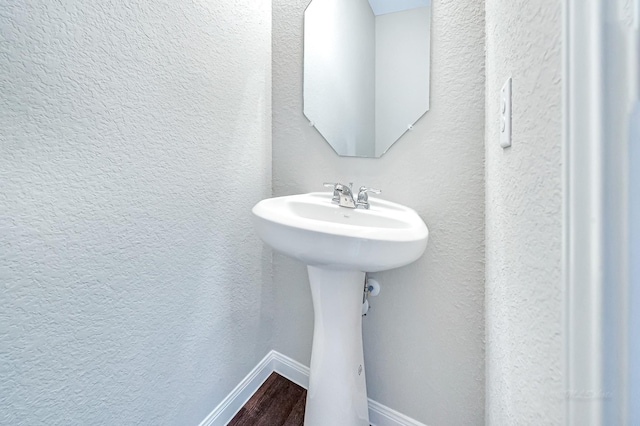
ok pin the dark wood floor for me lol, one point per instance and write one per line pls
(278, 402)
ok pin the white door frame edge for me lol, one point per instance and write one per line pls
(599, 82)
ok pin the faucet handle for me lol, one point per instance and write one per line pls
(363, 196)
(364, 190)
(337, 188)
(336, 185)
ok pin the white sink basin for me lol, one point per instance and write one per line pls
(339, 245)
(310, 228)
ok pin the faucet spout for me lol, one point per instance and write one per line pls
(342, 195)
(346, 197)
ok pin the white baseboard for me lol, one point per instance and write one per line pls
(379, 415)
(291, 369)
(229, 407)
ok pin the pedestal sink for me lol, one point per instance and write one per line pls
(339, 245)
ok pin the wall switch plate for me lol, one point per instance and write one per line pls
(505, 114)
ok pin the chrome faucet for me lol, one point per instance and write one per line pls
(343, 195)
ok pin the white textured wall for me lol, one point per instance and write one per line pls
(524, 215)
(134, 139)
(424, 336)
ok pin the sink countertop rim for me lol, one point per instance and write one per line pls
(417, 230)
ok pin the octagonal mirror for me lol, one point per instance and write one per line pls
(366, 71)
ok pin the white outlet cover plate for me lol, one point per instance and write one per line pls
(505, 114)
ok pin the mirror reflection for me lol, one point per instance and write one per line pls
(366, 71)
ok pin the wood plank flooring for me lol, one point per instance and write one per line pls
(278, 402)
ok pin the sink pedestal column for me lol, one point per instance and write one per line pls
(337, 394)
